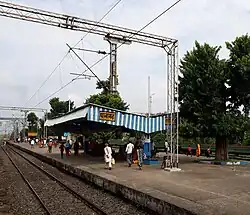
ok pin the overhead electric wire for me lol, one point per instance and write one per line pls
(101, 59)
(53, 71)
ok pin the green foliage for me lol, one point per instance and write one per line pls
(211, 92)
(22, 132)
(32, 118)
(246, 140)
(32, 122)
(59, 108)
(159, 138)
(239, 66)
(102, 137)
(187, 130)
(103, 85)
(105, 98)
(202, 92)
(108, 100)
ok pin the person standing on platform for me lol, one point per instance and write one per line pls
(67, 148)
(129, 151)
(44, 142)
(61, 147)
(198, 150)
(189, 151)
(50, 146)
(140, 155)
(76, 148)
(32, 143)
(167, 149)
(108, 156)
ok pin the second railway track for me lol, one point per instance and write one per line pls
(55, 196)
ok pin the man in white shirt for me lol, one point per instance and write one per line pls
(108, 156)
(167, 147)
(129, 150)
(32, 143)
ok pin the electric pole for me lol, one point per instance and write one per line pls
(24, 122)
(113, 77)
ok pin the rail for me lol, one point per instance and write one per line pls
(66, 187)
(27, 182)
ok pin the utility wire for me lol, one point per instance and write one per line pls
(66, 54)
(105, 56)
(132, 35)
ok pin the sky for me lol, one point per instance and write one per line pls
(30, 51)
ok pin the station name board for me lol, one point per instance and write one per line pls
(168, 121)
(107, 116)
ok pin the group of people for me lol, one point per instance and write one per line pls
(63, 146)
(130, 149)
(139, 152)
(198, 151)
(67, 146)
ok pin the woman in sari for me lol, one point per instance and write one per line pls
(198, 150)
(140, 155)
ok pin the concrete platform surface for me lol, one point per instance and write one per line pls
(201, 188)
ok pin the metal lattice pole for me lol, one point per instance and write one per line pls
(172, 121)
(177, 106)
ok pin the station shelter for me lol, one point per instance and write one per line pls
(92, 118)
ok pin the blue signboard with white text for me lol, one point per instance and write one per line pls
(65, 134)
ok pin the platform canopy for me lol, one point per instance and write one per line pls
(96, 118)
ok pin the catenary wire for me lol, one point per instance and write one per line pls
(105, 56)
(66, 54)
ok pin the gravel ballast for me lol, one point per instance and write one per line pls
(107, 202)
(15, 195)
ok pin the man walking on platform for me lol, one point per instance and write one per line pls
(32, 143)
(61, 147)
(76, 147)
(108, 156)
(67, 148)
(129, 150)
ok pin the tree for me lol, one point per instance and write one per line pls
(203, 96)
(41, 127)
(59, 108)
(107, 99)
(103, 85)
(32, 120)
(159, 138)
(239, 66)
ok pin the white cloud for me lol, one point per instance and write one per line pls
(29, 51)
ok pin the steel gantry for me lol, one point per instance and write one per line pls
(23, 120)
(114, 35)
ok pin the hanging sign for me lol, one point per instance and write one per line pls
(168, 121)
(32, 134)
(65, 134)
(107, 116)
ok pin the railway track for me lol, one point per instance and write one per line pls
(54, 196)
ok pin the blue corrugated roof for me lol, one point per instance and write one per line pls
(125, 119)
(128, 120)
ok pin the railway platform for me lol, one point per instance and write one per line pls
(197, 189)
